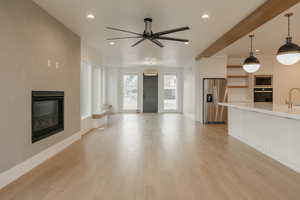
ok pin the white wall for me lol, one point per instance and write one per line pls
(112, 88)
(285, 78)
(189, 97)
(90, 54)
(214, 67)
(114, 85)
(85, 90)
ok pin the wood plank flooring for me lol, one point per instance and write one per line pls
(157, 157)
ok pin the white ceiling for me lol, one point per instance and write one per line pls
(166, 14)
(269, 37)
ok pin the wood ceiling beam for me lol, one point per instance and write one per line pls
(264, 13)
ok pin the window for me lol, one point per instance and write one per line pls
(97, 89)
(86, 90)
(130, 92)
(103, 86)
(170, 92)
(92, 89)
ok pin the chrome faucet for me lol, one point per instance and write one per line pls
(290, 102)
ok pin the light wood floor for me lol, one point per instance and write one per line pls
(157, 157)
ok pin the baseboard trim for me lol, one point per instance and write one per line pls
(21, 169)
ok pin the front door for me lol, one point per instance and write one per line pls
(150, 96)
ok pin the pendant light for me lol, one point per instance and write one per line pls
(251, 64)
(289, 53)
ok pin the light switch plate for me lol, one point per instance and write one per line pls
(49, 63)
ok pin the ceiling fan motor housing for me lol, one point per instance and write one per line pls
(148, 27)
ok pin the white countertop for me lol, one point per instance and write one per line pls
(267, 108)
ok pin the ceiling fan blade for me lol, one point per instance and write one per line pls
(172, 31)
(170, 38)
(158, 43)
(141, 40)
(116, 29)
(120, 38)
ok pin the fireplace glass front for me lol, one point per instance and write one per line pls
(47, 114)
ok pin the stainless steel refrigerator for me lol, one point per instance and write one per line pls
(214, 91)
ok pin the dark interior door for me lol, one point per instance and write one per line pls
(150, 96)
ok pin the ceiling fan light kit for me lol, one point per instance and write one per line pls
(289, 53)
(149, 35)
(251, 64)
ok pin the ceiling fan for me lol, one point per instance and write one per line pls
(149, 35)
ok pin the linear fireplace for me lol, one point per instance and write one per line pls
(47, 114)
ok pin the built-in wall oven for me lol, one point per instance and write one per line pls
(263, 95)
(263, 88)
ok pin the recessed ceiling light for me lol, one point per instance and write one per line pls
(186, 43)
(90, 16)
(205, 16)
(257, 50)
(112, 43)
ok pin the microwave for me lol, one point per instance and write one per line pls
(263, 81)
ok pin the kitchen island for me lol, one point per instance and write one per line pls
(271, 129)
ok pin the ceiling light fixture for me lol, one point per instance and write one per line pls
(186, 43)
(90, 16)
(289, 53)
(257, 50)
(150, 61)
(205, 16)
(251, 64)
(112, 43)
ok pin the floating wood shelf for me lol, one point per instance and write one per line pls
(238, 86)
(234, 66)
(237, 76)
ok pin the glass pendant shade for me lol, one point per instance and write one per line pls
(251, 64)
(288, 54)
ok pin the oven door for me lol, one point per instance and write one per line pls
(263, 95)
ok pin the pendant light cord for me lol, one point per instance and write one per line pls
(289, 26)
(251, 46)
(251, 43)
(289, 15)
